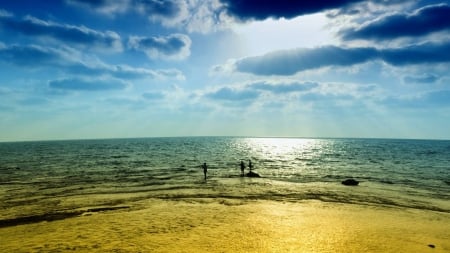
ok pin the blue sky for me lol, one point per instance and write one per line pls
(72, 69)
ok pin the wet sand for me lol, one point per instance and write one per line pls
(227, 225)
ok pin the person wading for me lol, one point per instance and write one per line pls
(205, 169)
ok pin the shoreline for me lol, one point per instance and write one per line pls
(36, 205)
(235, 225)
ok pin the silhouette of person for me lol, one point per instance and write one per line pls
(242, 168)
(205, 169)
(250, 165)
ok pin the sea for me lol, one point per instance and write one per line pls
(38, 178)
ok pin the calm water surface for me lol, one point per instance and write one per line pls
(61, 175)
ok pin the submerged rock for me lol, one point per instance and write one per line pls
(252, 174)
(350, 182)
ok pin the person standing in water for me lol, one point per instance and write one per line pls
(250, 165)
(242, 168)
(205, 169)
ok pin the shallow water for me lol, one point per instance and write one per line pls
(37, 178)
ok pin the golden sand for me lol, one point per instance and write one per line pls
(223, 225)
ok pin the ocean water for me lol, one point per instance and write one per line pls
(37, 178)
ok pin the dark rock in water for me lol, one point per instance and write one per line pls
(252, 174)
(350, 182)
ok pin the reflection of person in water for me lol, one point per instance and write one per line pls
(205, 169)
(242, 168)
(250, 165)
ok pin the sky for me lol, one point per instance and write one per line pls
(82, 69)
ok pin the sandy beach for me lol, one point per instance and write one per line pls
(228, 225)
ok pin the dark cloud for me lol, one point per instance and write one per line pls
(263, 9)
(75, 35)
(35, 57)
(417, 54)
(289, 62)
(229, 94)
(87, 85)
(283, 87)
(174, 46)
(426, 78)
(426, 20)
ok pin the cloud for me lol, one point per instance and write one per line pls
(425, 78)
(206, 16)
(123, 71)
(371, 8)
(79, 84)
(263, 9)
(283, 87)
(437, 98)
(166, 11)
(169, 12)
(35, 57)
(174, 46)
(192, 15)
(426, 20)
(417, 54)
(289, 62)
(103, 6)
(74, 35)
(230, 94)
(21, 55)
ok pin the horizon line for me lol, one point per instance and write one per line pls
(222, 136)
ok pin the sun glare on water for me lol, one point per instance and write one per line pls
(280, 146)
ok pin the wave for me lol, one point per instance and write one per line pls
(321, 196)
